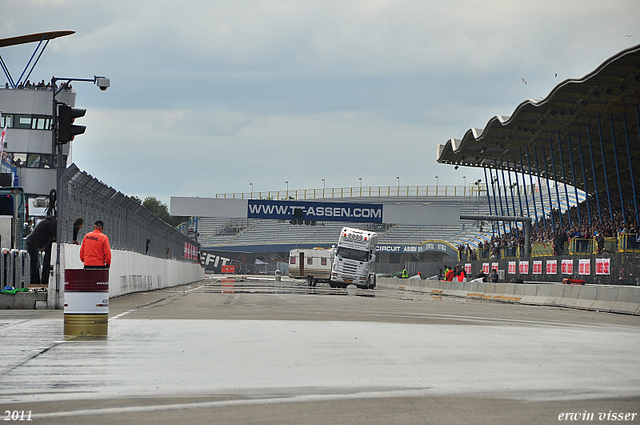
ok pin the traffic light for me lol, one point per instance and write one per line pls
(66, 129)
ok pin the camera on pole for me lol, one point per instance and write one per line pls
(66, 129)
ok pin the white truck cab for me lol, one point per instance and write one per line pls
(353, 259)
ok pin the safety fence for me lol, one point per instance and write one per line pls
(625, 243)
(606, 269)
(129, 225)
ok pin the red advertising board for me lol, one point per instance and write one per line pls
(485, 268)
(584, 266)
(567, 266)
(603, 266)
(537, 267)
(552, 266)
(228, 269)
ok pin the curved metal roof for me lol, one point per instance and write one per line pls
(33, 38)
(585, 125)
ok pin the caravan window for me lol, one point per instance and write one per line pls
(323, 261)
(292, 260)
(310, 260)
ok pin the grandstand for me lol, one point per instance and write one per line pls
(262, 236)
(253, 235)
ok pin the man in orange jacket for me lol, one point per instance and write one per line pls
(95, 252)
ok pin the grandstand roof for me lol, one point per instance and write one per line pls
(598, 111)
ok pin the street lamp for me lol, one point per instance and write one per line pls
(251, 184)
(398, 179)
(57, 149)
(436, 185)
(465, 185)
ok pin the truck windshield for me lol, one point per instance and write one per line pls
(352, 254)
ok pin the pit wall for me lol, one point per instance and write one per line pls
(129, 272)
(613, 299)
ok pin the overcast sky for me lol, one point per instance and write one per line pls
(208, 96)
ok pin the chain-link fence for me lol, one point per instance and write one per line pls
(128, 224)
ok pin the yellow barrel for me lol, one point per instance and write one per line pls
(86, 325)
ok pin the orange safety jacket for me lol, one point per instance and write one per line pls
(95, 250)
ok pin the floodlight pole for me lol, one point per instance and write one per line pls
(57, 149)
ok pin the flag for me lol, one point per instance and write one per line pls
(4, 135)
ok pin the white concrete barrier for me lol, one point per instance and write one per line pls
(616, 299)
(606, 297)
(586, 298)
(477, 290)
(129, 272)
(628, 301)
(518, 292)
(530, 291)
(557, 293)
(570, 296)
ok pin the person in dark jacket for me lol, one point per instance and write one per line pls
(77, 225)
(42, 237)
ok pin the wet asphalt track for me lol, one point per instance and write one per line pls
(257, 351)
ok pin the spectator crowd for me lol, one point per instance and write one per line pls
(605, 223)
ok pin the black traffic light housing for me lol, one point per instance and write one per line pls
(66, 129)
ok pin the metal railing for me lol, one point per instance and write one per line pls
(365, 191)
(126, 222)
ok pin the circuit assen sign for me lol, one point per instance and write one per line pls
(315, 211)
(431, 246)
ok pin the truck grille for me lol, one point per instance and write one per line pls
(349, 268)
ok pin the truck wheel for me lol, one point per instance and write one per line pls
(332, 284)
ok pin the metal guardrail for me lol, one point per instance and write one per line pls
(126, 222)
(365, 191)
(14, 268)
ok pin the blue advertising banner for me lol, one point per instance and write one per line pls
(314, 211)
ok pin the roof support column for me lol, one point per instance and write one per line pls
(593, 167)
(573, 176)
(564, 181)
(506, 199)
(533, 192)
(497, 183)
(513, 201)
(584, 178)
(626, 136)
(544, 220)
(524, 186)
(553, 165)
(546, 176)
(493, 189)
(615, 156)
(604, 167)
(493, 229)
